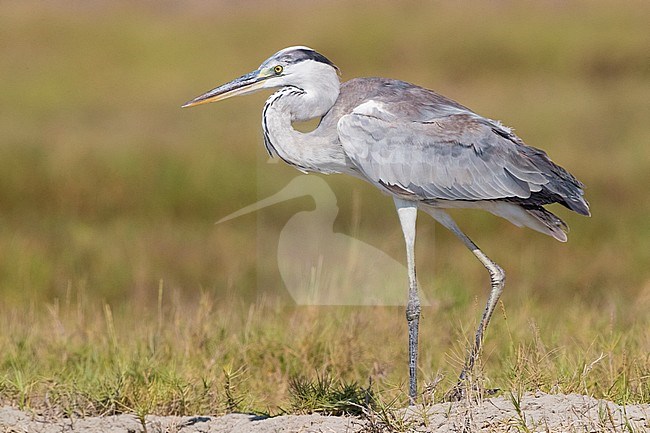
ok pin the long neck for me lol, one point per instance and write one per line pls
(316, 151)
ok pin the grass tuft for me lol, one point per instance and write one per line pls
(328, 395)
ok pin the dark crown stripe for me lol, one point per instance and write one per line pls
(302, 54)
(315, 56)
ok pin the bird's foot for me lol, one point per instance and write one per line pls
(457, 393)
(463, 391)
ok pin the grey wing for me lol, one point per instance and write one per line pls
(457, 156)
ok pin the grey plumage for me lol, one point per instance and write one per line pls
(420, 145)
(427, 151)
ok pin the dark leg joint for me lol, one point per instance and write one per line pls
(413, 310)
(498, 275)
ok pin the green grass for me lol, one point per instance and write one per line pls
(119, 294)
(218, 356)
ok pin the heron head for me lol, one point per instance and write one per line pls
(297, 66)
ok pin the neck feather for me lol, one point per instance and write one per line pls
(316, 151)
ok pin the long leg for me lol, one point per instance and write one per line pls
(407, 212)
(497, 281)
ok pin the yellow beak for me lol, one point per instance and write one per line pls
(248, 83)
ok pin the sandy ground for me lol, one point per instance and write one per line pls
(537, 413)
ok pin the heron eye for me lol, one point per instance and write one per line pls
(278, 70)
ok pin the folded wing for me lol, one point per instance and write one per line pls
(452, 154)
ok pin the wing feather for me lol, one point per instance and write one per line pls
(455, 156)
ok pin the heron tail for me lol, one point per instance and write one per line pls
(554, 225)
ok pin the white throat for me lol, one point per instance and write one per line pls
(320, 87)
(304, 99)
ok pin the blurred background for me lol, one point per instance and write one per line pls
(108, 188)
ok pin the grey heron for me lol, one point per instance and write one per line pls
(427, 151)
